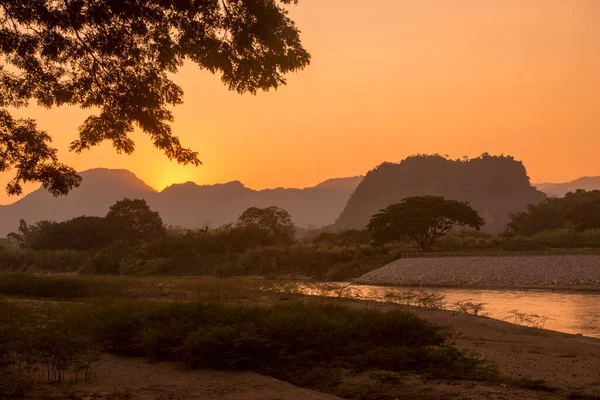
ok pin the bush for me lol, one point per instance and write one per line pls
(289, 341)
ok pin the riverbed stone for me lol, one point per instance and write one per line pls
(489, 271)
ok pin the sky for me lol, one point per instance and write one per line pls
(388, 79)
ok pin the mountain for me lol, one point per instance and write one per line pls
(560, 189)
(99, 190)
(494, 185)
(188, 205)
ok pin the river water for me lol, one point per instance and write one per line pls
(563, 311)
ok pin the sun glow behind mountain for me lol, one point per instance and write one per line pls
(427, 76)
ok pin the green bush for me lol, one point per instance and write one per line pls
(286, 341)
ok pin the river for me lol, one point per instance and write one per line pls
(563, 311)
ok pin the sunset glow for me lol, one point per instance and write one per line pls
(387, 80)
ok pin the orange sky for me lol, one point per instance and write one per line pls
(388, 78)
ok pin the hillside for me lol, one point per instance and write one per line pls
(560, 189)
(99, 190)
(494, 185)
(188, 205)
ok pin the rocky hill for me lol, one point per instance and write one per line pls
(494, 185)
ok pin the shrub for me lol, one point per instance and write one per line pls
(286, 341)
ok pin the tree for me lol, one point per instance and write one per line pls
(116, 56)
(583, 209)
(273, 222)
(134, 221)
(579, 210)
(423, 219)
(81, 233)
(20, 237)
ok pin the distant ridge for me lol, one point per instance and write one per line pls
(560, 189)
(188, 205)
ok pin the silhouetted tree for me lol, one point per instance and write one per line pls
(20, 237)
(583, 209)
(273, 222)
(116, 56)
(423, 219)
(134, 221)
(81, 233)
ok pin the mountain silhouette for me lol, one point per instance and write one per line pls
(187, 205)
(494, 185)
(560, 189)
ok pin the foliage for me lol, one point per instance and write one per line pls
(423, 219)
(133, 221)
(284, 341)
(345, 237)
(493, 185)
(295, 342)
(26, 148)
(117, 56)
(21, 236)
(579, 210)
(45, 342)
(273, 222)
(128, 221)
(81, 233)
(28, 260)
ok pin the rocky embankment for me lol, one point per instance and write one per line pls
(489, 271)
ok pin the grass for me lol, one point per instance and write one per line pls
(59, 287)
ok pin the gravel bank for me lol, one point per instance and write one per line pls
(489, 271)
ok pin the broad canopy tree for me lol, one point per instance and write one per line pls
(115, 56)
(132, 221)
(273, 222)
(423, 219)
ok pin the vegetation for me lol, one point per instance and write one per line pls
(272, 222)
(132, 240)
(423, 219)
(133, 221)
(577, 210)
(296, 342)
(117, 57)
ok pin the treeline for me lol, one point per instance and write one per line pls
(132, 239)
(579, 211)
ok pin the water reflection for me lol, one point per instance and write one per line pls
(570, 312)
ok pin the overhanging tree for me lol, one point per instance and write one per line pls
(423, 219)
(115, 56)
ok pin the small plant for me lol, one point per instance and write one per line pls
(531, 320)
(469, 307)
(430, 300)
